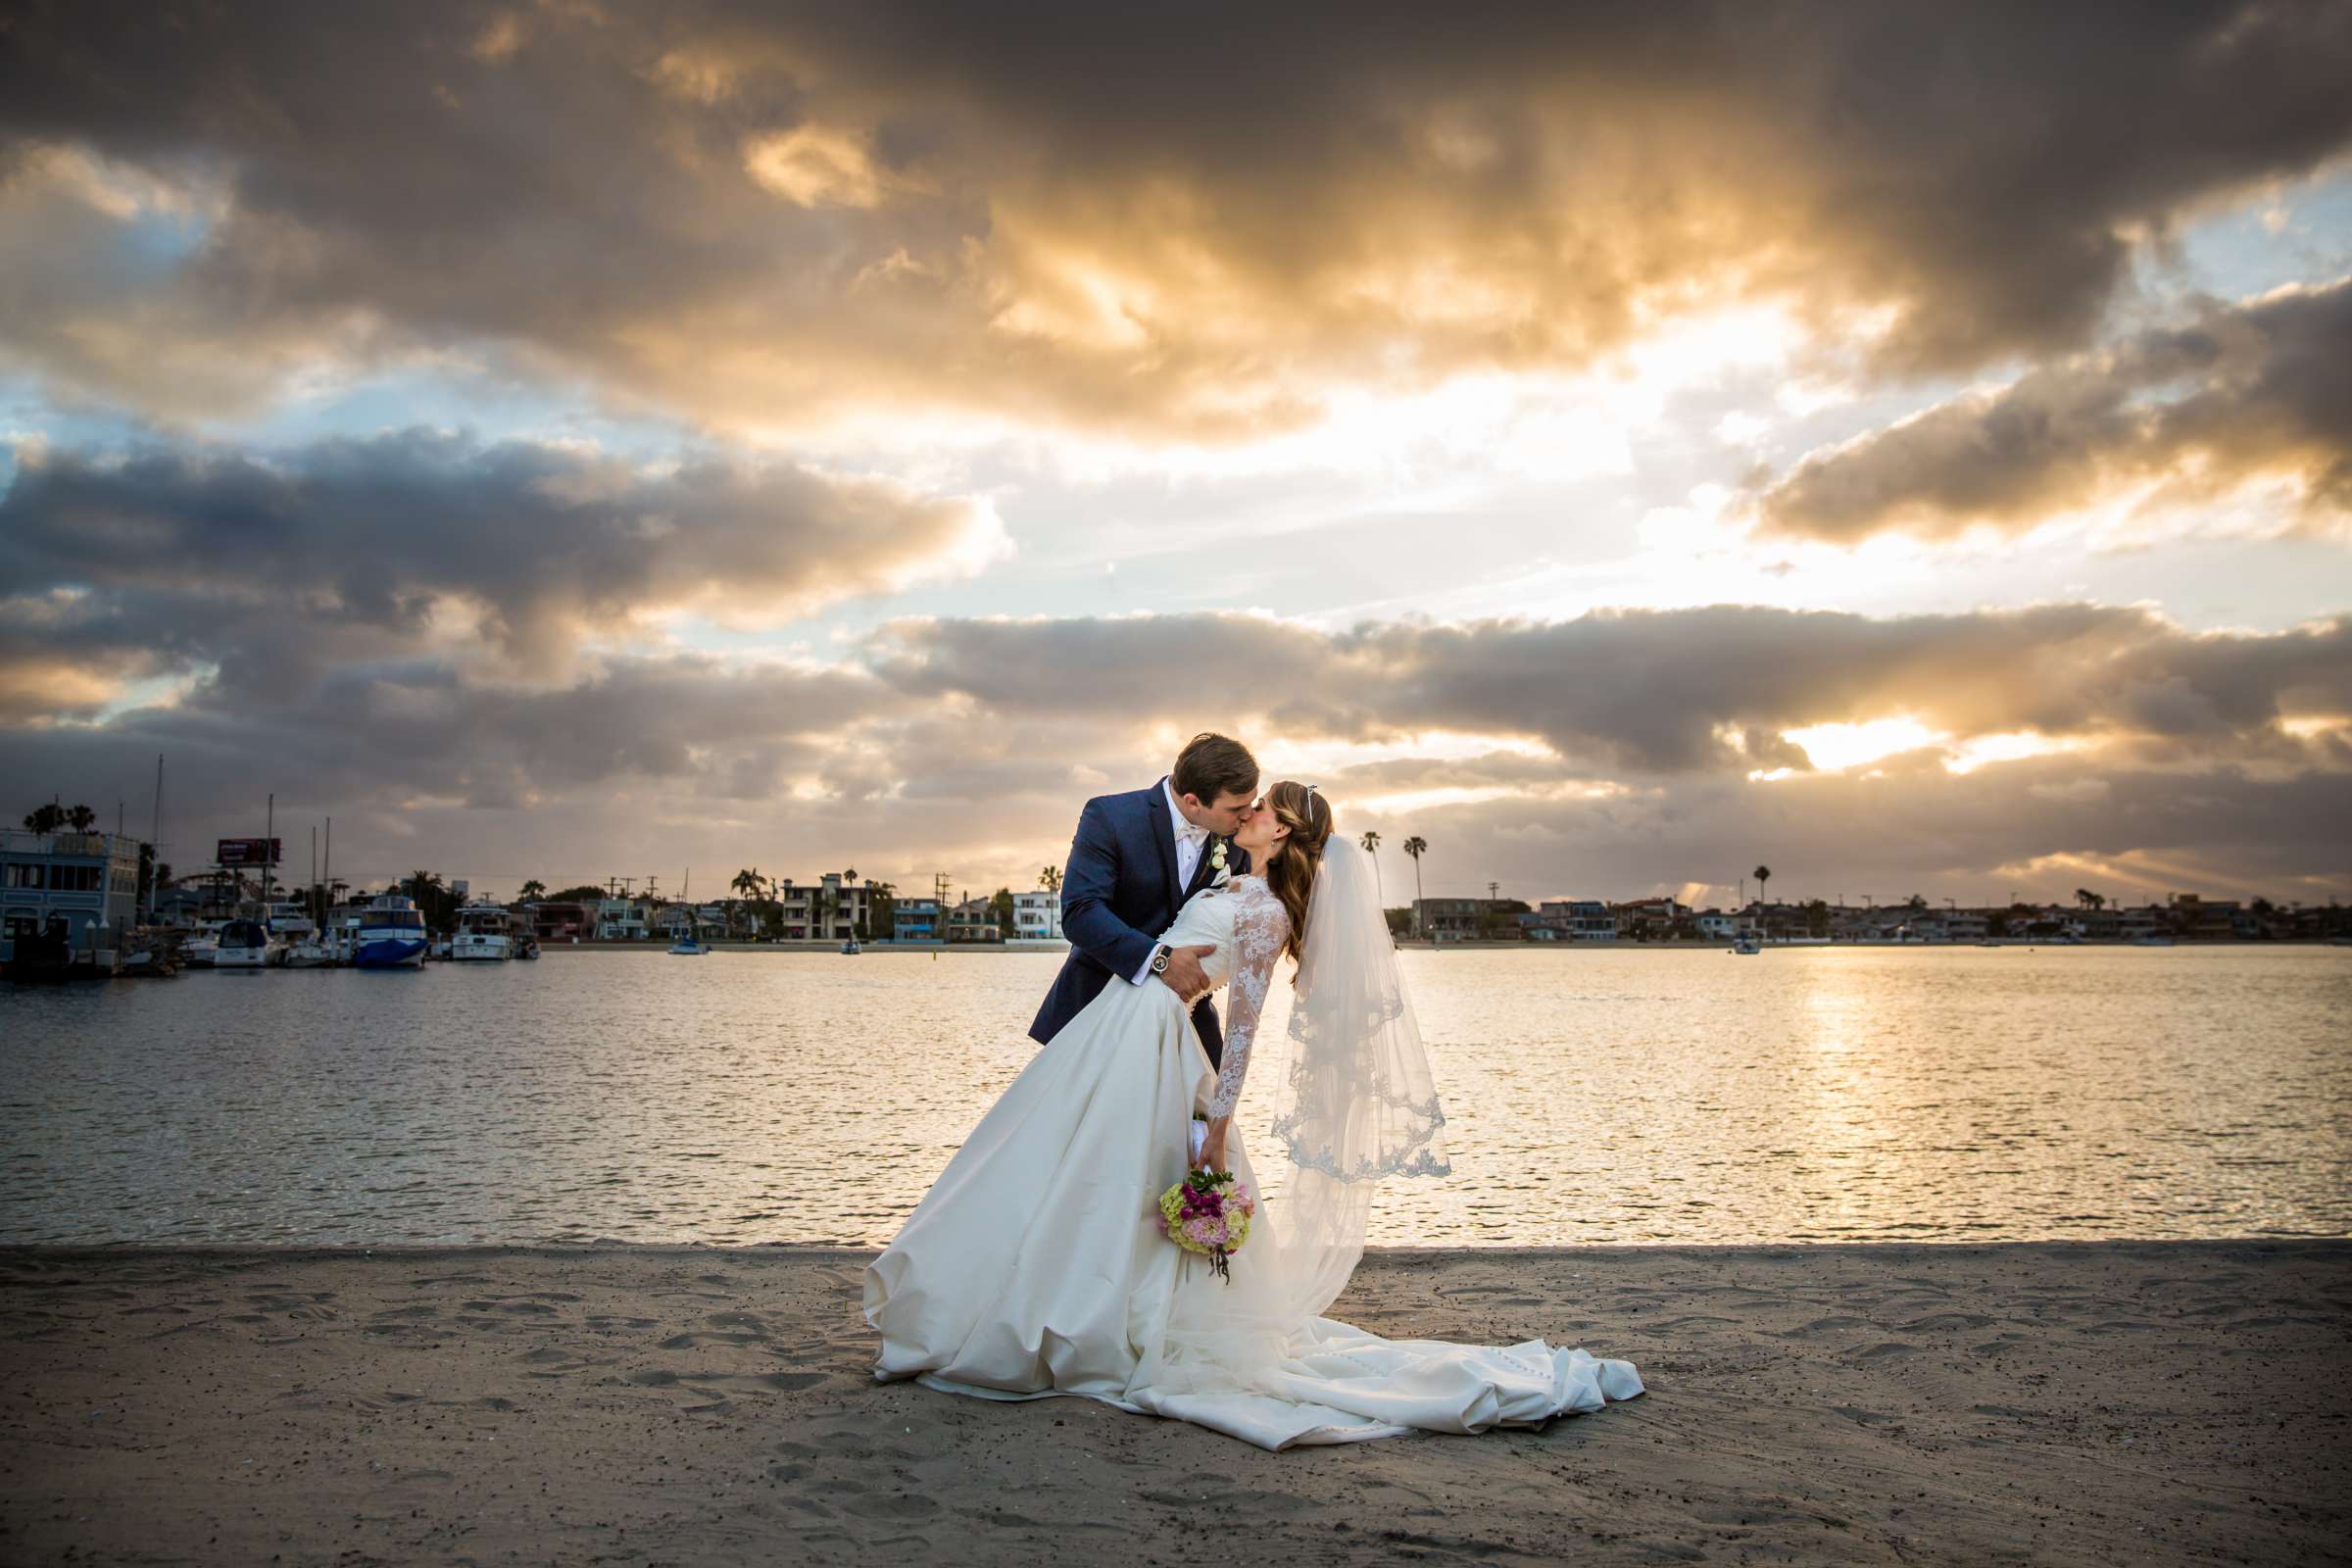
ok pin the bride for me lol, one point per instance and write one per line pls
(1034, 1266)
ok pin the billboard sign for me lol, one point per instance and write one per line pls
(250, 851)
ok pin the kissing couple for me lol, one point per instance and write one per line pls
(1035, 1266)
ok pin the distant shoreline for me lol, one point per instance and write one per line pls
(962, 948)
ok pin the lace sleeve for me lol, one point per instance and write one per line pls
(1260, 926)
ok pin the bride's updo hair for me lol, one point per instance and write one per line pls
(1290, 866)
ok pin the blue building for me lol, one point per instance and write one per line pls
(74, 880)
(916, 920)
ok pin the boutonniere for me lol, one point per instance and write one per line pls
(1216, 864)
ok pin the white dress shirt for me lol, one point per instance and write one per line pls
(1191, 843)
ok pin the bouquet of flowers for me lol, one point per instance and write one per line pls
(1209, 1212)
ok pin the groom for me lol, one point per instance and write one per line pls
(1136, 858)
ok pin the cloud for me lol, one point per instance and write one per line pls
(1191, 225)
(2259, 391)
(177, 555)
(1709, 689)
(1610, 754)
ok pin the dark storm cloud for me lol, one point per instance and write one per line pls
(967, 747)
(2260, 390)
(398, 732)
(1661, 691)
(1185, 219)
(177, 556)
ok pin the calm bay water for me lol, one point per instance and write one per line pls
(1808, 1095)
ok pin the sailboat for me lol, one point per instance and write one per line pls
(685, 945)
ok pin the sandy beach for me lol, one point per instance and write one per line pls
(2048, 1402)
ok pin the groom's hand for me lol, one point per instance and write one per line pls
(1184, 974)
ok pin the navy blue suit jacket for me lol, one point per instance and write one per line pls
(1118, 893)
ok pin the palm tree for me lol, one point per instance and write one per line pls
(1416, 846)
(1763, 876)
(533, 888)
(1049, 879)
(745, 884)
(1371, 844)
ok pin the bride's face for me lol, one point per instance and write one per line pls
(1258, 833)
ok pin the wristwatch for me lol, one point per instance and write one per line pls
(1160, 959)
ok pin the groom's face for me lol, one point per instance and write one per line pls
(1221, 817)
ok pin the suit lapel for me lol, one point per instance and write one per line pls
(1203, 869)
(1163, 839)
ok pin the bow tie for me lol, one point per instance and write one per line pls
(1190, 833)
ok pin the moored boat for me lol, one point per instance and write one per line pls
(246, 945)
(391, 935)
(483, 935)
(311, 952)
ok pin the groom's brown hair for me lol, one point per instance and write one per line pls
(1211, 766)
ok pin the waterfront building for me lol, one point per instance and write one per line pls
(974, 920)
(561, 921)
(1467, 920)
(1648, 919)
(1729, 926)
(2200, 919)
(832, 909)
(61, 884)
(1037, 916)
(916, 920)
(1576, 920)
(622, 920)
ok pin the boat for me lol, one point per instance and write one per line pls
(196, 950)
(1747, 943)
(313, 952)
(391, 935)
(483, 935)
(685, 947)
(849, 947)
(526, 944)
(290, 922)
(150, 953)
(246, 945)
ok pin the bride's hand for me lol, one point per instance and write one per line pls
(1212, 1147)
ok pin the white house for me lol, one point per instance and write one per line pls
(1037, 916)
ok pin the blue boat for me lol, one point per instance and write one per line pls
(391, 935)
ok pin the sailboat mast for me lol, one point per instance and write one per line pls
(155, 840)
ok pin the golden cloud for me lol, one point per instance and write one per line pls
(1095, 218)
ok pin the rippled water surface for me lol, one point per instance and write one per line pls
(1854, 1093)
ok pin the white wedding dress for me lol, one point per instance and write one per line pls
(1034, 1266)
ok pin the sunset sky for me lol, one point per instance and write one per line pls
(1908, 446)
